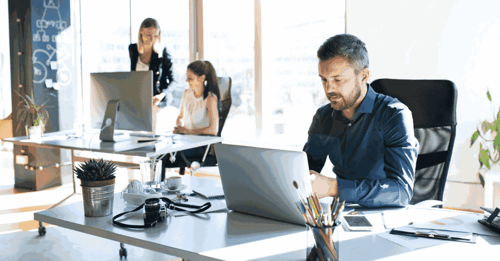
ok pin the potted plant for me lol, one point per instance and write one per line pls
(33, 113)
(98, 186)
(489, 146)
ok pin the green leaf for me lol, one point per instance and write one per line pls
(495, 125)
(485, 126)
(474, 137)
(496, 142)
(484, 157)
(481, 179)
(488, 94)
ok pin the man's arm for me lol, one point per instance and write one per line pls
(315, 150)
(400, 157)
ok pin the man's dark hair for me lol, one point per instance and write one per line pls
(347, 46)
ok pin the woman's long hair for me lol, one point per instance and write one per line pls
(211, 83)
(147, 23)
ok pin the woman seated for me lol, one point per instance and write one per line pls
(198, 113)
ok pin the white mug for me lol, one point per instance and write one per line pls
(174, 182)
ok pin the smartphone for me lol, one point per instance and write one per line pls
(358, 222)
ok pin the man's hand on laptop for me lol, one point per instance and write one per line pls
(322, 185)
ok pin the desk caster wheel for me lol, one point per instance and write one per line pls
(42, 231)
(123, 251)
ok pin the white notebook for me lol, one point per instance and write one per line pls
(210, 193)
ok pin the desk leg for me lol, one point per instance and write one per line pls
(123, 251)
(205, 155)
(72, 168)
(41, 229)
(72, 178)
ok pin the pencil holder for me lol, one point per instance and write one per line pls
(323, 243)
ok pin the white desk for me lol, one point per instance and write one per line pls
(189, 237)
(91, 142)
(235, 236)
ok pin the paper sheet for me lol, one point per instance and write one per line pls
(218, 205)
(411, 242)
(463, 223)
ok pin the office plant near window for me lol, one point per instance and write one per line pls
(489, 146)
(33, 114)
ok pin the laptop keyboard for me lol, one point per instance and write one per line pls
(144, 135)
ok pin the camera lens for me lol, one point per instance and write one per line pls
(152, 203)
(152, 209)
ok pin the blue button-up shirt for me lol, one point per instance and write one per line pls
(374, 156)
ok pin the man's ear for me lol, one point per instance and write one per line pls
(202, 78)
(365, 75)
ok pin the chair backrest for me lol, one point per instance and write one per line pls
(433, 104)
(6, 127)
(224, 102)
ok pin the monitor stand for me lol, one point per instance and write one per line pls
(108, 124)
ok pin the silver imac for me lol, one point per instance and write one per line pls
(121, 101)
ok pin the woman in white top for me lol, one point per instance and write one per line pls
(198, 110)
(198, 113)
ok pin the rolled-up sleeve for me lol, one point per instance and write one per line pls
(395, 188)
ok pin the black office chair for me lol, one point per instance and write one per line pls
(224, 104)
(433, 104)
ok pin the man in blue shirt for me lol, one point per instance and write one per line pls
(368, 136)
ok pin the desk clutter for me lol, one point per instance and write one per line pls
(155, 205)
(136, 192)
(322, 223)
(210, 193)
(414, 227)
(492, 221)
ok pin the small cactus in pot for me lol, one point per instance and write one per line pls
(93, 173)
(98, 184)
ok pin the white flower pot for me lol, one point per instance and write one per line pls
(35, 132)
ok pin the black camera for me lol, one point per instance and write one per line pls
(155, 212)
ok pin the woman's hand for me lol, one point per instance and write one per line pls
(181, 130)
(157, 98)
(322, 185)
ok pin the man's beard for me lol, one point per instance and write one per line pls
(346, 103)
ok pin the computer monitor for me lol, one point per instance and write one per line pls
(121, 101)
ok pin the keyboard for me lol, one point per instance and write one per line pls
(144, 135)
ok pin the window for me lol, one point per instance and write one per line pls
(5, 85)
(291, 33)
(228, 36)
(105, 40)
(291, 88)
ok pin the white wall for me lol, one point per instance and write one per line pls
(454, 40)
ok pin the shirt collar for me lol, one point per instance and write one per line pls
(366, 105)
(368, 102)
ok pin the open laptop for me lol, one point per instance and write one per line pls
(259, 181)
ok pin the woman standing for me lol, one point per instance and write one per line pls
(145, 55)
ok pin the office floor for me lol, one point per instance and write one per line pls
(19, 239)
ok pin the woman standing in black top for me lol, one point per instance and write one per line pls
(145, 55)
